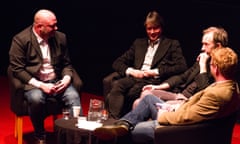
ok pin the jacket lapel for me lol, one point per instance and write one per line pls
(141, 53)
(161, 50)
(35, 44)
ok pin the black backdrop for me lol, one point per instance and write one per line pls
(100, 31)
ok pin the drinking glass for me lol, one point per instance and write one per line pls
(95, 110)
(76, 111)
(104, 114)
(66, 113)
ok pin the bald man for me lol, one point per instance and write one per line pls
(39, 58)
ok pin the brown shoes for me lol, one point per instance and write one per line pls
(110, 132)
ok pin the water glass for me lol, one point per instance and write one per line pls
(66, 113)
(76, 111)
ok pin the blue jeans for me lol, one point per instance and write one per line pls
(37, 101)
(143, 131)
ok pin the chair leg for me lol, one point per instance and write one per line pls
(15, 127)
(18, 133)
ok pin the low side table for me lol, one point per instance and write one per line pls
(68, 133)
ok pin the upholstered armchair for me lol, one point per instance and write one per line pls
(107, 86)
(217, 131)
(107, 82)
(19, 106)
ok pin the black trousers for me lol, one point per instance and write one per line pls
(123, 93)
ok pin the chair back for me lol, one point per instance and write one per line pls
(18, 104)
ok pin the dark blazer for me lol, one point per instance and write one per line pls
(168, 58)
(26, 58)
(184, 81)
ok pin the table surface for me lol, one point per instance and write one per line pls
(68, 133)
(70, 124)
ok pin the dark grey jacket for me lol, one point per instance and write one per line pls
(25, 56)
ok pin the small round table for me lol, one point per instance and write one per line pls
(68, 133)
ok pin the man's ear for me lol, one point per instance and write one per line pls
(218, 45)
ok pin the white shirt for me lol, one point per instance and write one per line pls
(152, 48)
(46, 71)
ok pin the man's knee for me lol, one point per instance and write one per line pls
(146, 92)
(34, 96)
(135, 103)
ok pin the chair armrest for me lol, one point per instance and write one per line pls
(77, 81)
(108, 80)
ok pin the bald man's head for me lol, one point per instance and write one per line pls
(45, 23)
(43, 16)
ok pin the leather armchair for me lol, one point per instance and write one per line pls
(19, 105)
(107, 82)
(217, 131)
(107, 86)
(210, 132)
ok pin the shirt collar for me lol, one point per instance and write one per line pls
(154, 42)
(39, 39)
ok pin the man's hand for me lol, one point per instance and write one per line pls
(202, 60)
(48, 88)
(58, 87)
(61, 85)
(162, 86)
(148, 87)
(136, 73)
(150, 73)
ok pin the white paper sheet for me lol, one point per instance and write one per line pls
(89, 125)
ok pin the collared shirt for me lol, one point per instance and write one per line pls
(152, 48)
(46, 71)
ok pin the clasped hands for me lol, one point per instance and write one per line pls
(55, 88)
(141, 74)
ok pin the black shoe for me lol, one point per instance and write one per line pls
(42, 142)
(110, 132)
(39, 140)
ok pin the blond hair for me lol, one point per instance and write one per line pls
(220, 35)
(226, 61)
(155, 19)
